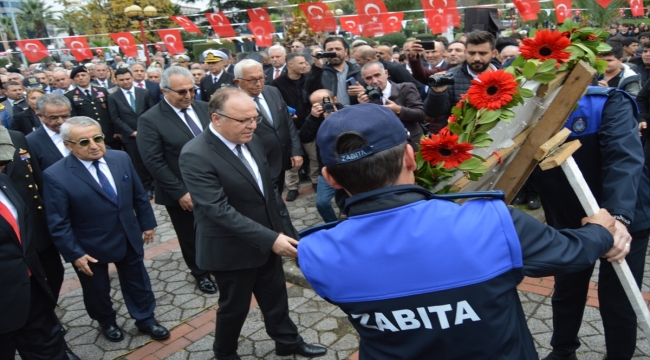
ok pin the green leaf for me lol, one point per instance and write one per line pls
(489, 116)
(464, 137)
(486, 127)
(507, 112)
(469, 164)
(481, 137)
(470, 114)
(575, 50)
(529, 70)
(482, 144)
(480, 169)
(600, 66)
(457, 111)
(603, 46)
(518, 61)
(424, 180)
(547, 66)
(455, 128)
(527, 93)
(544, 78)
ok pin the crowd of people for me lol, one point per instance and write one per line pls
(85, 149)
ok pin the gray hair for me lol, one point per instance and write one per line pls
(174, 70)
(101, 64)
(51, 99)
(154, 69)
(76, 121)
(245, 65)
(277, 47)
(136, 64)
(372, 63)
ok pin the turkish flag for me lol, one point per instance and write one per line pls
(436, 20)
(392, 22)
(528, 9)
(78, 47)
(173, 41)
(33, 50)
(260, 17)
(186, 24)
(350, 24)
(440, 14)
(220, 24)
(637, 7)
(372, 29)
(604, 3)
(126, 42)
(319, 16)
(370, 11)
(562, 10)
(263, 38)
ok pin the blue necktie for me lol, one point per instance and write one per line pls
(106, 185)
(132, 99)
(190, 122)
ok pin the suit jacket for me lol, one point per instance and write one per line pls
(230, 69)
(154, 90)
(108, 82)
(280, 139)
(270, 72)
(8, 107)
(43, 148)
(81, 217)
(27, 177)
(208, 87)
(25, 122)
(19, 106)
(412, 113)
(124, 118)
(161, 136)
(398, 74)
(15, 259)
(236, 224)
(95, 107)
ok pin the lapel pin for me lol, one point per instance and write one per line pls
(126, 177)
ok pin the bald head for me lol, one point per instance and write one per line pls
(318, 95)
(385, 52)
(364, 53)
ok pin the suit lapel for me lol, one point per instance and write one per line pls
(4, 224)
(78, 168)
(47, 141)
(173, 117)
(120, 95)
(273, 109)
(202, 114)
(118, 175)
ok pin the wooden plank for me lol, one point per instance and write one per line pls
(561, 155)
(551, 122)
(545, 89)
(552, 144)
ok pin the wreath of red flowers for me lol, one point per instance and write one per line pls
(492, 90)
(445, 147)
(546, 45)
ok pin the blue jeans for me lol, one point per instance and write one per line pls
(324, 197)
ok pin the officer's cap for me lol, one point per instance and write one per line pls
(32, 82)
(213, 56)
(77, 70)
(380, 128)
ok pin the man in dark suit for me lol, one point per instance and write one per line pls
(277, 58)
(239, 234)
(98, 213)
(217, 78)
(46, 142)
(139, 75)
(27, 121)
(91, 101)
(162, 132)
(126, 105)
(402, 99)
(29, 323)
(277, 131)
(101, 76)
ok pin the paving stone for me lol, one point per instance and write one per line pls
(310, 319)
(202, 345)
(327, 324)
(264, 347)
(328, 338)
(347, 342)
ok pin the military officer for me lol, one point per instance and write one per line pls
(21, 105)
(92, 101)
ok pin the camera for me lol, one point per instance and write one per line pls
(441, 80)
(325, 54)
(374, 94)
(327, 105)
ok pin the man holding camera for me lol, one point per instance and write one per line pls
(402, 99)
(445, 93)
(341, 77)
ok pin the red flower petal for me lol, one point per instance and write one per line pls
(546, 45)
(444, 147)
(492, 90)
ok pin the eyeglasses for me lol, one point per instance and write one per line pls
(57, 117)
(97, 139)
(256, 119)
(254, 81)
(183, 92)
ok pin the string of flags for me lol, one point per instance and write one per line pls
(372, 19)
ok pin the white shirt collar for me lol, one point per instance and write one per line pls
(49, 131)
(231, 145)
(189, 108)
(132, 90)
(386, 91)
(89, 163)
(84, 90)
(218, 75)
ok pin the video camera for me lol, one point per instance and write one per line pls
(325, 54)
(441, 80)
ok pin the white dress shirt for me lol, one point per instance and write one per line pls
(137, 83)
(264, 105)
(190, 112)
(57, 140)
(103, 83)
(5, 200)
(215, 78)
(128, 98)
(103, 167)
(386, 92)
(247, 154)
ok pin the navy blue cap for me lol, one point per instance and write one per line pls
(379, 126)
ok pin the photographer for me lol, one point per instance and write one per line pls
(341, 77)
(402, 99)
(324, 103)
(481, 54)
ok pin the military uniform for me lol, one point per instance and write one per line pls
(20, 106)
(94, 107)
(5, 117)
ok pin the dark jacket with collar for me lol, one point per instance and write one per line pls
(270, 72)
(294, 96)
(398, 74)
(636, 64)
(94, 107)
(310, 128)
(412, 112)
(25, 122)
(208, 86)
(325, 78)
(43, 148)
(124, 118)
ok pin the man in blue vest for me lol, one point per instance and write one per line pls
(612, 162)
(419, 276)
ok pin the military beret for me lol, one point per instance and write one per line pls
(77, 70)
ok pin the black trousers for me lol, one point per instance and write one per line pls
(40, 338)
(619, 320)
(236, 287)
(131, 148)
(134, 283)
(183, 222)
(51, 261)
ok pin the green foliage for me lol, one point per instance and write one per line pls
(425, 37)
(599, 16)
(34, 16)
(394, 39)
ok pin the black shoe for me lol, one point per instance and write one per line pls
(315, 187)
(533, 202)
(112, 332)
(156, 331)
(306, 350)
(292, 195)
(552, 356)
(520, 199)
(206, 285)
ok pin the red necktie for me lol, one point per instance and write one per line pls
(277, 73)
(141, 86)
(9, 217)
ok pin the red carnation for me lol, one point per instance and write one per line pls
(445, 147)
